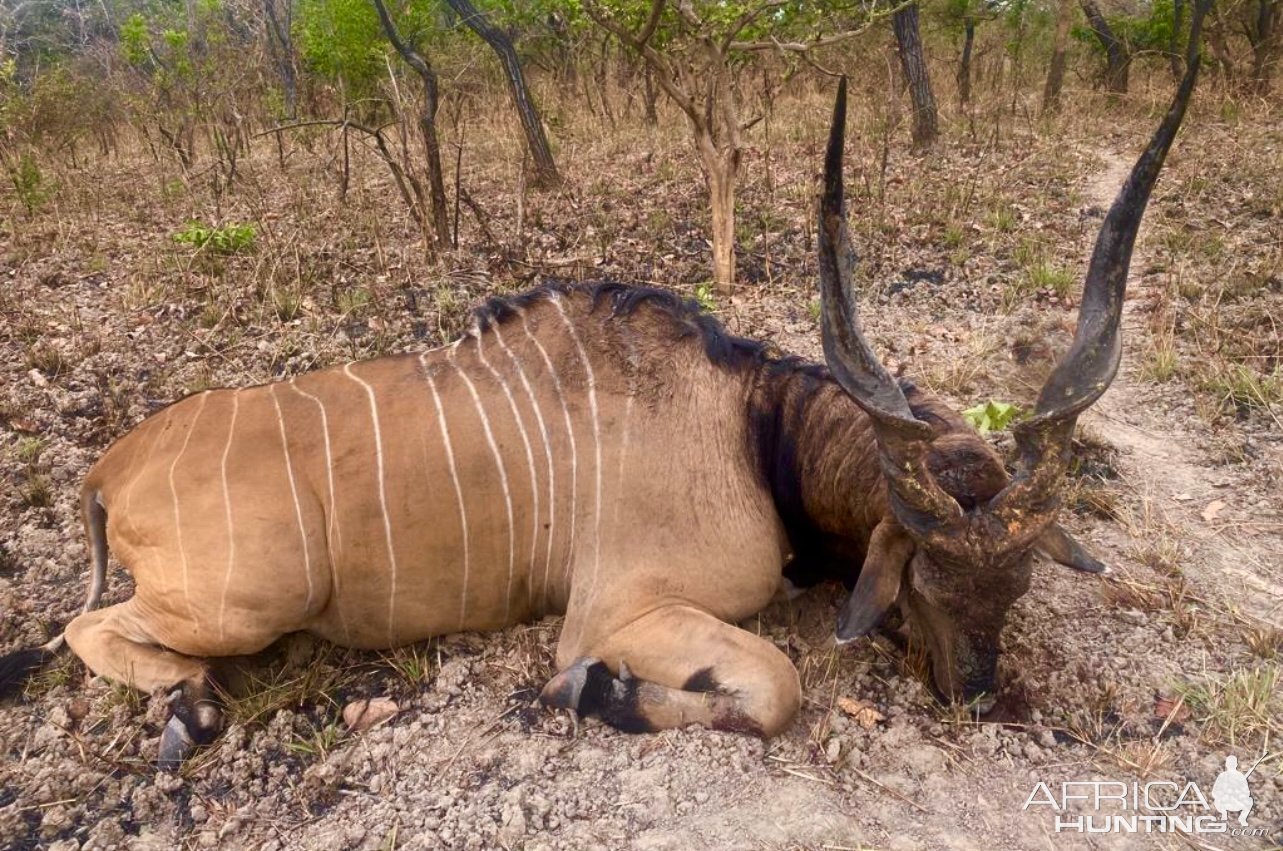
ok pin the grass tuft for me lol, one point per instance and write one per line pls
(1245, 706)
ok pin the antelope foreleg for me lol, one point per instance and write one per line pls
(678, 666)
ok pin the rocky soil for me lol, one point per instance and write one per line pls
(1154, 673)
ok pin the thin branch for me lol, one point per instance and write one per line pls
(652, 22)
(664, 73)
(746, 19)
(324, 122)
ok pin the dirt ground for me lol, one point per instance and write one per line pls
(971, 259)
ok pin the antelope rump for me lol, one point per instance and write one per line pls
(602, 451)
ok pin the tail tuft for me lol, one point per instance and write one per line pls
(17, 667)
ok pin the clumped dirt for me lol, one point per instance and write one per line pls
(1153, 673)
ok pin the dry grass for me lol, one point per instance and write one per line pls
(258, 694)
(1243, 707)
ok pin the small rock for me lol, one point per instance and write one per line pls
(1133, 616)
(901, 842)
(55, 820)
(923, 759)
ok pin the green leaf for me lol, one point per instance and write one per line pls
(992, 415)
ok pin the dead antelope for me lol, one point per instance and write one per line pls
(603, 451)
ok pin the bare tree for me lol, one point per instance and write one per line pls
(1118, 56)
(1264, 31)
(912, 61)
(536, 141)
(705, 92)
(439, 221)
(1217, 39)
(280, 23)
(1056, 70)
(1175, 60)
(964, 64)
(695, 73)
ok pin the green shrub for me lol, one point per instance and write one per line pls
(230, 238)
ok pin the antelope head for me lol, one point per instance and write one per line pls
(956, 550)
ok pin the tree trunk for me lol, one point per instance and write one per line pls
(545, 168)
(721, 176)
(1056, 71)
(1177, 56)
(964, 67)
(282, 47)
(652, 117)
(440, 219)
(566, 69)
(913, 63)
(1118, 58)
(1266, 38)
(1215, 31)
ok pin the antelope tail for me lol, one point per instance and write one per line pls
(17, 667)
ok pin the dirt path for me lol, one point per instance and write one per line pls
(1234, 548)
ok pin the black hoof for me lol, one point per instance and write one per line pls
(194, 721)
(565, 690)
(589, 687)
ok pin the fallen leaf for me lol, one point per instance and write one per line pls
(864, 713)
(361, 715)
(21, 425)
(1213, 508)
(1170, 710)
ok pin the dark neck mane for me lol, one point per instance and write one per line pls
(684, 315)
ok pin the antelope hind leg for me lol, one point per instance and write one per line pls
(677, 666)
(114, 643)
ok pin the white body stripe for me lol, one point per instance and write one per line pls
(503, 476)
(458, 491)
(383, 495)
(570, 436)
(146, 466)
(227, 510)
(178, 521)
(298, 508)
(530, 462)
(333, 531)
(596, 431)
(547, 451)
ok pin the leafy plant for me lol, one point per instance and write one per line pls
(230, 238)
(30, 184)
(992, 415)
(704, 296)
(322, 740)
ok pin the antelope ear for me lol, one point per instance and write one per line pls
(1058, 545)
(879, 583)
